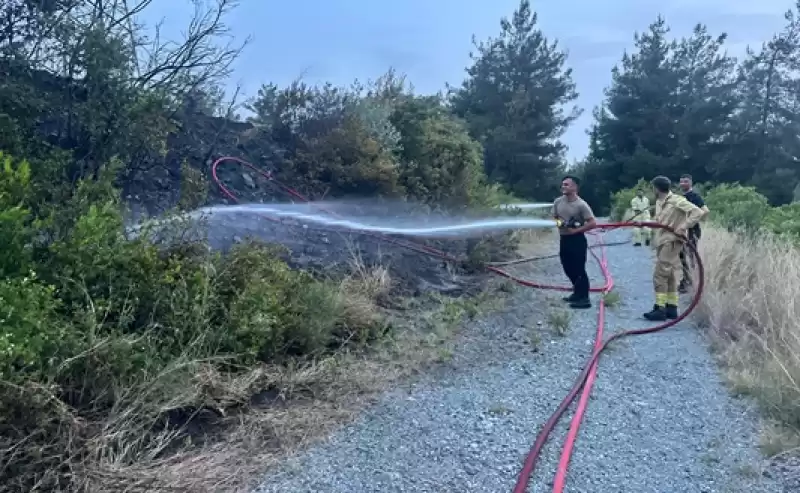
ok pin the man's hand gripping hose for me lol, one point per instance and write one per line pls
(586, 376)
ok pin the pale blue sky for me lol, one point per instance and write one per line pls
(430, 41)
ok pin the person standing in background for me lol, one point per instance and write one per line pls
(693, 235)
(640, 205)
(676, 212)
(574, 217)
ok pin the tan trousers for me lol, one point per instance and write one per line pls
(668, 269)
(641, 235)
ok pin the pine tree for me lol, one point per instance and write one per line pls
(638, 122)
(514, 100)
(764, 137)
(666, 112)
(706, 99)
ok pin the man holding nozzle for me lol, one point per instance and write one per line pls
(676, 212)
(574, 218)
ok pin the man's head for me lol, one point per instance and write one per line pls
(569, 185)
(661, 185)
(640, 193)
(685, 183)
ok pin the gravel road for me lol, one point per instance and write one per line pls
(659, 421)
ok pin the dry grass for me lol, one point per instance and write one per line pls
(536, 242)
(752, 304)
(559, 320)
(302, 404)
(363, 290)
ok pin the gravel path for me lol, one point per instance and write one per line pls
(659, 421)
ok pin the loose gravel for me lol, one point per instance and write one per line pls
(659, 420)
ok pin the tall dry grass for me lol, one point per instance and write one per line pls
(751, 304)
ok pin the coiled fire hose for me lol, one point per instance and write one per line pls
(586, 376)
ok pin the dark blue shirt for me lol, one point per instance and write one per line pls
(697, 200)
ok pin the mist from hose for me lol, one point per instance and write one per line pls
(415, 225)
(526, 207)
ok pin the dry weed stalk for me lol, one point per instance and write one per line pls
(752, 303)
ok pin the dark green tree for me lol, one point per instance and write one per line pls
(634, 131)
(764, 135)
(705, 100)
(515, 99)
(667, 111)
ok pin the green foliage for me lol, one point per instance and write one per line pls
(194, 188)
(382, 140)
(91, 312)
(16, 228)
(737, 207)
(33, 338)
(273, 310)
(98, 278)
(784, 220)
(441, 163)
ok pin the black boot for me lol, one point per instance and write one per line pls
(637, 244)
(647, 242)
(657, 314)
(570, 298)
(671, 311)
(683, 287)
(581, 303)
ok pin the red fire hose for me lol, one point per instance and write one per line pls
(586, 377)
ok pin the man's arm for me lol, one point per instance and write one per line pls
(705, 212)
(699, 202)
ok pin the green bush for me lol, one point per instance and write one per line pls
(737, 207)
(87, 314)
(783, 220)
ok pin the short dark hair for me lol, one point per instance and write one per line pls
(661, 183)
(687, 176)
(574, 179)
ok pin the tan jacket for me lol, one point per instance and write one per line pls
(640, 208)
(676, 212)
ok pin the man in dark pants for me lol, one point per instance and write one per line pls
(693, 234)
(574, 218)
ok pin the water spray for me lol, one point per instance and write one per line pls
(453, 227)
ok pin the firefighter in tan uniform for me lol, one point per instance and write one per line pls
(679, 214)
(640, 206)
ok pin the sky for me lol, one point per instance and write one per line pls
(430, 40)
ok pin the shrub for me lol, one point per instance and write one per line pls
(783, 220)
(441, 163)
(737, 207)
